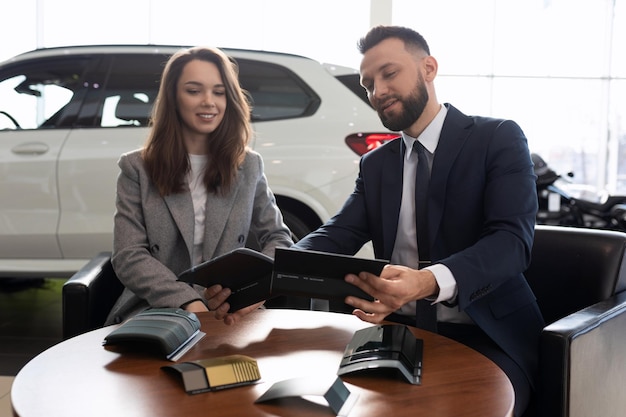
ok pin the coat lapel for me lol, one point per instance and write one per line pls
(456, 129)
(218, 208)
(181, 209)
(217, 212)
(391, 194)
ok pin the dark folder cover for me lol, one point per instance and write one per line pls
(254, 277)
(320, 274)
(246, 272)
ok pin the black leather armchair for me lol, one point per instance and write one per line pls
(89, 295)
(579, 277)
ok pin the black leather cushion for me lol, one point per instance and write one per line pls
(572, 268)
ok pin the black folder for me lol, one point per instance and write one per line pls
(254, 277)
(320, 274)
(246, 272)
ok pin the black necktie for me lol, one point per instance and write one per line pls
(426, 313)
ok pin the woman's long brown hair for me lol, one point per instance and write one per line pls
(164, 153)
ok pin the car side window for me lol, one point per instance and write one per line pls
(131, 89)
(38, 95)
(276, 92)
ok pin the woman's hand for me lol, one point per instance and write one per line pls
(216, 300)
(196, 307)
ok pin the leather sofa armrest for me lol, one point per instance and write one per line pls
(583, 362)
(89, 295)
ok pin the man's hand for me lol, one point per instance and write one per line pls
(216, 300)
(396, 286)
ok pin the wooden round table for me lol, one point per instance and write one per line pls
(79, 377)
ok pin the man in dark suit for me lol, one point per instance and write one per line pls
(479, 218)
(480, 209)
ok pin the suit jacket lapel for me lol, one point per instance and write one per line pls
(391, 194)
(456, 129)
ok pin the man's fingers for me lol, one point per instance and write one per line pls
(365, 281)
(369, 317)
(369, 307)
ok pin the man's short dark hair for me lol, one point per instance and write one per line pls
(378, 34)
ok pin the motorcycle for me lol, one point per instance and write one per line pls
(559, 207)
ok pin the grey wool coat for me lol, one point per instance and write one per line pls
(153, 235)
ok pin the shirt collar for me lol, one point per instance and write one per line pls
(429, 138)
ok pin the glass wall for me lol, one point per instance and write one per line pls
(557, 67)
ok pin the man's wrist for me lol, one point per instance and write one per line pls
(445, 283)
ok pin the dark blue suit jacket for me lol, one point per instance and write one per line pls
(481, 216)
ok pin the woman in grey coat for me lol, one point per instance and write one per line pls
(194, 191)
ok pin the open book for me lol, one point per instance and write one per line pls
(254, 277)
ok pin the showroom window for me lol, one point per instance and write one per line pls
(556, 67)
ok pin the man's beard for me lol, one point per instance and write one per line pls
(412, 108)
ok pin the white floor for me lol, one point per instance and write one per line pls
(5, 396)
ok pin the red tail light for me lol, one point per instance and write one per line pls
(362, 143)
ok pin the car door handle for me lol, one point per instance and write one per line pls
(31, 148)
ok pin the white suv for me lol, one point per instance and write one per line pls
(67, 114)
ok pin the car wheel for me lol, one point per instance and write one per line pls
(298, 228)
